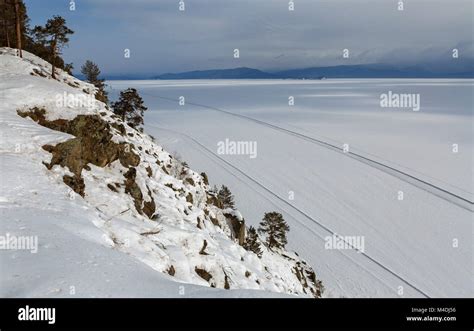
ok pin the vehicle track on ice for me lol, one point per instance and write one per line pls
(301, 212)
(426, 186)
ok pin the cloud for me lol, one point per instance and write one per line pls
(268, 35)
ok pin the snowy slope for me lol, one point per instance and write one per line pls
(125, 220)
(72, 259)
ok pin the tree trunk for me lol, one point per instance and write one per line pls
(241, 235)
(6, 33)
(5, 29)
(18, 27)
(53, 50)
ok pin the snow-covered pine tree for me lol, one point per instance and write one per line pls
(275, 228)
(226, 197)
(130, 108)
(252, 243)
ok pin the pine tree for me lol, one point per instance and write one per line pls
(53, 35)
(14, 24)
(130, 108)
(226, 197)
(252, 243)
(275, 227)
(92, 72)
(28, 39)
(7, 17)
(204, 178)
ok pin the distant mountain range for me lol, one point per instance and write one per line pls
(236, 73)
(373, 71)
(340, 71)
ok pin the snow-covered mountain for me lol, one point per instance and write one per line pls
(114, 214)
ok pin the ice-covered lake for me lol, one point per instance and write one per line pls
(409, 232)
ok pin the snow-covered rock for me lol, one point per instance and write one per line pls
(105, 187)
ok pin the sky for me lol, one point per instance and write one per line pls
(269, 36)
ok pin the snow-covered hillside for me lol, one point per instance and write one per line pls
(114, 214)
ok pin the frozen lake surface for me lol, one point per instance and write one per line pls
(418, 240)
